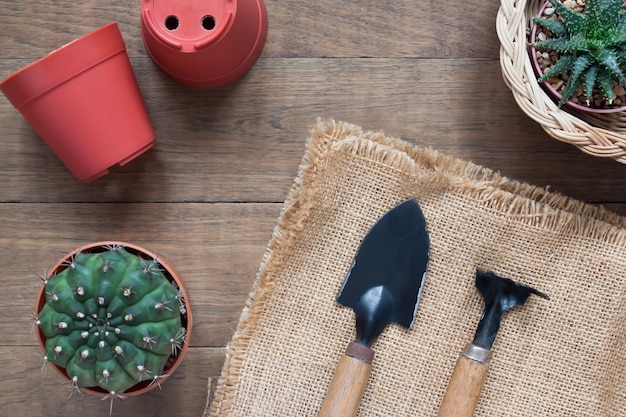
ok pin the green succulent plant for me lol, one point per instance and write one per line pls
(591, 45)
(111, 319)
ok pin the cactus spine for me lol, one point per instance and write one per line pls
(111, 319)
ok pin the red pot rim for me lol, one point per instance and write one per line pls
(168, 271)
(551, 90)
(62, 64)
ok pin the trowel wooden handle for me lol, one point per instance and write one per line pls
(466, 383)
(346, 389)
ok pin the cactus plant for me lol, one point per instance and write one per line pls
(591, 47)
(111, 319)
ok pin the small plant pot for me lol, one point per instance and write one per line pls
(170, 274)
(204, 43)
(549, 88)
(84, 102)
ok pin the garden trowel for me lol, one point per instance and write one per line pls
(383, 286)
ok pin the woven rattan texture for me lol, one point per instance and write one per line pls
(565, 357)
(602, 135)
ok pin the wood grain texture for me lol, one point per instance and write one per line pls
(464, 389)
(210, 147)
(343, 397)
(323, 28)
(216, 248)
(207, 195)
(26, 388)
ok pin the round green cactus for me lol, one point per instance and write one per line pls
(112, 319)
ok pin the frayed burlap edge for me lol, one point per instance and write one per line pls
(537, 206)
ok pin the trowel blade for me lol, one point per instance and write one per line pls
(385, 281)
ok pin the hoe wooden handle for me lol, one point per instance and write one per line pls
(464, 389)
(346, 389)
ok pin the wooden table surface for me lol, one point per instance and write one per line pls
(206, 197)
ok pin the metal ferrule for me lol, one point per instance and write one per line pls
(478, 354)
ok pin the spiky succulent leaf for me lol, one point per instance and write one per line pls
(111, 319)
(582, 63)
(590, 80)
(564, 64)
(594, 42)
(609, 60)
(575, 80)
(601, 18)
(562, 45)
(622, 22)
(604, 81)
(574, 21)
(555, 26)
(618, 37)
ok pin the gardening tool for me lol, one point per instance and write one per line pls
(383, 286)
(500, 294)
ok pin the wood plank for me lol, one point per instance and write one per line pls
(244, 142)
(322, 28)
(27, 391)
(217, 249)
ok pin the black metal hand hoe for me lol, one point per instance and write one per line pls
(500, 294)
(383, 286)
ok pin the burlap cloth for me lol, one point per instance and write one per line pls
(563, 357)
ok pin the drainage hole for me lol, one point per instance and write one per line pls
(171, 22)
(208, 22)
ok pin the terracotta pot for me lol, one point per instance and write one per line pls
(204, 43)
(84, 102)
(548, 87)
(169, 272)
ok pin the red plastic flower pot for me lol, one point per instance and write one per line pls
(204, 43)
(84, 102)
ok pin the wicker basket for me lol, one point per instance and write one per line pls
(602, 135)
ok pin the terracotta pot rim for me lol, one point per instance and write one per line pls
(547, 86)
(169, 272)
